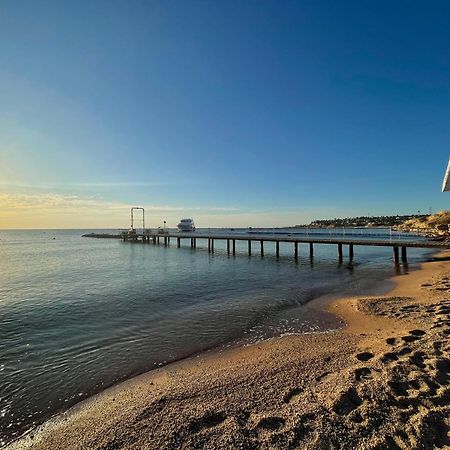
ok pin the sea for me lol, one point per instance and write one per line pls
(78, 314)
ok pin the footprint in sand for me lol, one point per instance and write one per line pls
(324, 376)
(272, 423)
(362, 373)
(154, 408)
(405, 350)
(417, 358)
(441, 398)
(364, 356)
(417, 332)
(410, 338)
(289, 396)
(437, 346)
(208, 420)
(429, 386)
(443, 366)
(303, 426)
(347, 402)
(399, 388)
(389, 357)
(242, 417)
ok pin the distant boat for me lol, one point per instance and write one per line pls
(186, 225)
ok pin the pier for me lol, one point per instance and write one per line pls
(254, 241)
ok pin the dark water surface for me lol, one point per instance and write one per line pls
(79, 314)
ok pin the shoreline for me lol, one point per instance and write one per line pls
(313, 316)
(314, 310)
(229, 367)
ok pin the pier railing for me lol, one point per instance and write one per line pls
(399, 246)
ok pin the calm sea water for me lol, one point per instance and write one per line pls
(79, 314)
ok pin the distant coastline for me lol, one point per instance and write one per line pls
(429, 225)
(363, 221)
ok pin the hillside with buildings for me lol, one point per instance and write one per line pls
(436, 224)
(364, 221)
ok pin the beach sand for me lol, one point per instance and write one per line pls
(380, 382)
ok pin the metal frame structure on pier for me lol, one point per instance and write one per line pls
(138, 208)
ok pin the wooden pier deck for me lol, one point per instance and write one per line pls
(399, 246)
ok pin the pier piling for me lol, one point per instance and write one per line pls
(277, 249)
(234, 246)
(404, 256)
(296, 250)
(340, 254)
(261, 243)
(178, 242)
(350, 252)
(249, 247)
(228, 246)
(311, 249)
(395, 254)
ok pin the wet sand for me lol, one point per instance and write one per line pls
(380, 382)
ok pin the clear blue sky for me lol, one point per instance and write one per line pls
(233, 112)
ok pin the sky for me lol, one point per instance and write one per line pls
(236, 113)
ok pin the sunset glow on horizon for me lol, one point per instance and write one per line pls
(238, 114)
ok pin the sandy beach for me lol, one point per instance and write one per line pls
(380, 382)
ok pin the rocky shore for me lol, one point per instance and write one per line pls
(436, 225)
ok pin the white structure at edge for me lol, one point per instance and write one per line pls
(186, 225)
(446, 183)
